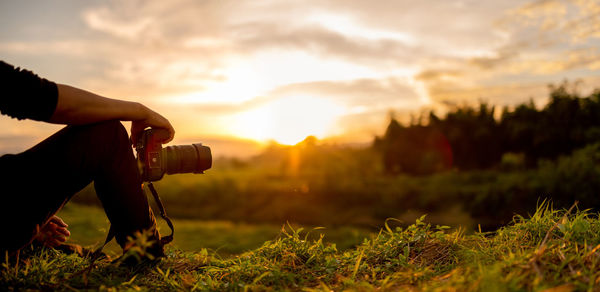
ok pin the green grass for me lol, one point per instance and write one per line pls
(551, 249)
(89, 225)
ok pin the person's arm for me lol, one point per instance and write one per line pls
(24, 95)
(77, 107)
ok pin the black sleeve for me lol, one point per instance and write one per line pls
(24, 95)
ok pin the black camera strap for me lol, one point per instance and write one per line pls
(166, 239)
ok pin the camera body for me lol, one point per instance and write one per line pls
(154, 160)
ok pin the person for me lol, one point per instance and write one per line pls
(93, 147)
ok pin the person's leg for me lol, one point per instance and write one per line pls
(118, 185)
(43, 178)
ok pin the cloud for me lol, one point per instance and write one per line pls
(200, 60)
(554, 23)
(502, 56)
(157, 22)
(437, 75)
(373, 93)
(325, 43)
(218, 30)
(189, 46)
(366, 102)
(73, 47)
(543, 8)
(543, 44)
(358, 96)
(103, 20)
(576, 20)
(540, 63)
(386, 35)
(585, 58)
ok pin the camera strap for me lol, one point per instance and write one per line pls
(166, 239)
(95, 255)
(161, 208)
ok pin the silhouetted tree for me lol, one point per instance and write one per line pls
(471, 138)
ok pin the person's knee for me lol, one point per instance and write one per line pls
(104, 140)
(110, 145)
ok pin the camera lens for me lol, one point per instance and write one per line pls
(194, 158)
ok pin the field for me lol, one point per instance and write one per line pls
(555, 250)
(88, 226)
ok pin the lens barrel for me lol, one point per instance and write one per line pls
(194, 158)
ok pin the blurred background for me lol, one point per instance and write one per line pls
(334, 113)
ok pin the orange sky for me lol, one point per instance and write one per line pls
(282, 70)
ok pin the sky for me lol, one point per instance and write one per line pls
(239, 73)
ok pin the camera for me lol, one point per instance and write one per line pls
(154, 160)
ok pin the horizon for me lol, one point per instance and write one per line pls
(237, 72)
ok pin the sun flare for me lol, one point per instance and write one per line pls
(289, 120)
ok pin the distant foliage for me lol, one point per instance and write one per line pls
(472, 138)
(328, 185)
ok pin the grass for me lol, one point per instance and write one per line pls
(89, 225)
(552, 249)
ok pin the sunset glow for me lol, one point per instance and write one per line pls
(289, 120)
(272, 70)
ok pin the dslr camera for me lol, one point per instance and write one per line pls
(154, 160)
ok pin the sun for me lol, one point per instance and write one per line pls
(289, 120)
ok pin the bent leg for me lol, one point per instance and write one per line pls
(43, 178)
(118, 184)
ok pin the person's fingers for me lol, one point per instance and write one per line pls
(52, 243)
(63, 231)
(52, 229)
(136, 128)
(55, 240)
(58, 221)
(171, 135)
(59, 238)
(169, 128)
(49, 227)
(54, 233)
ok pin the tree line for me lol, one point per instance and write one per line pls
(469, 137)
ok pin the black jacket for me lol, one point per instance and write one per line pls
(24, 95)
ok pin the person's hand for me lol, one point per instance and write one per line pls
(54, 233)
(151, 119)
